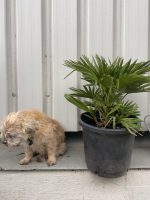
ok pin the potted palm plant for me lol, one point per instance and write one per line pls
(109, 122)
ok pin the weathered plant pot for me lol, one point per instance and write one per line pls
(107, 151)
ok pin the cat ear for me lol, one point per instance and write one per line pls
(30, 125)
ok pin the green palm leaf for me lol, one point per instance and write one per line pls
(77, 102)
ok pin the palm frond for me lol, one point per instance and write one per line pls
(133, 83)
(77, 102)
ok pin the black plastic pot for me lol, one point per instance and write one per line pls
(107, 151)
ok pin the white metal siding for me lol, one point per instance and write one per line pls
(29, 53)
(3, 64)
(36, 36)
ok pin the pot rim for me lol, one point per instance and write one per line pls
(107, 131)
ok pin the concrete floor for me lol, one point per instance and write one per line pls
(70, 179)
(75, 185)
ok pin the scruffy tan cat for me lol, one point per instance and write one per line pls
(38, 133)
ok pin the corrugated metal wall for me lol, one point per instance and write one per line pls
(36, 36)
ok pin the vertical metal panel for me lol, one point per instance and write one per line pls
(135, 40)
(82, 27)
(64, 46)
(47, 55)
(3, 64)
(29, 54)
(117, 28)
(100, 31)
(11, 54)
(135, 29)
